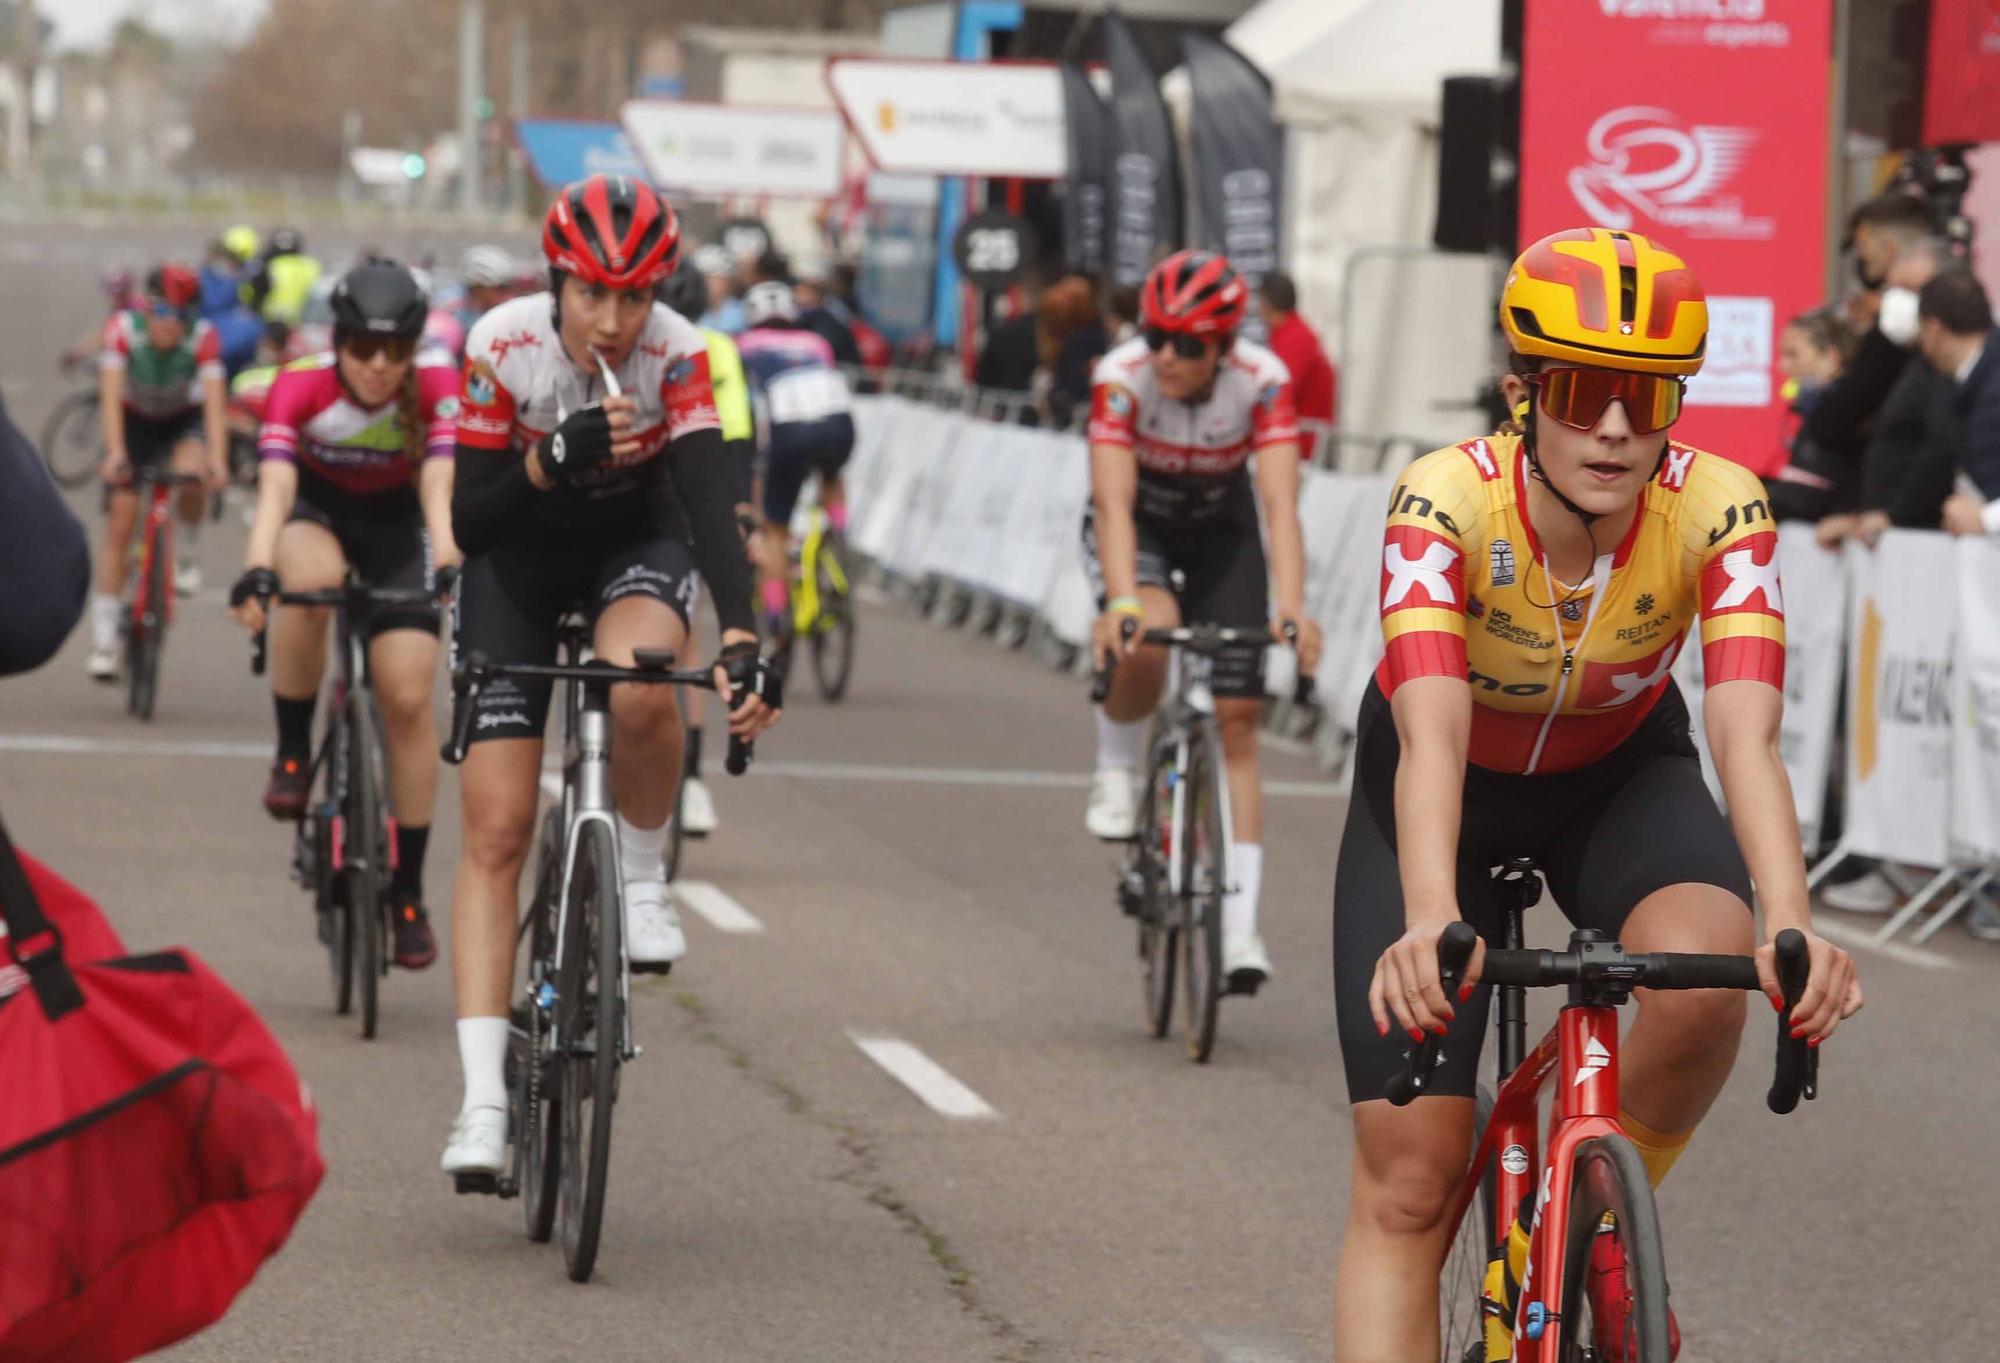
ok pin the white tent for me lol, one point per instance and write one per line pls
(1358, 86)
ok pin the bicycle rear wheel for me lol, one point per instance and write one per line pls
(367, 853)
(1159, 912)
(1461, 1284)
(538, 1079)
(148, 633)
(73, 440)
(591, 1028)
(1608, 1176)
(833, 631)
(336, 922)
(1202, 870)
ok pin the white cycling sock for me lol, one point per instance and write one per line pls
(104, 620)
(482, 1054)
(1118, 744)
(189, 540)
(1239, 904)
(642, 852)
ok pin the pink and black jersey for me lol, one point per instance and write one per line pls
(519, 385)
(310, 419)
(1191, 455)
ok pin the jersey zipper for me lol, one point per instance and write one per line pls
(1600, 579)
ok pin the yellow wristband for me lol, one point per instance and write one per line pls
(1125, 605)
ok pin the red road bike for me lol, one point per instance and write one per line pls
(1588, 1181)
(152, 605)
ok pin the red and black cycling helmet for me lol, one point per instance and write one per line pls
(175, 285)
(614, 231)
(1194, 293)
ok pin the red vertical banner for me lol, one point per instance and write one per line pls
(1703, 125)
(1962, 78)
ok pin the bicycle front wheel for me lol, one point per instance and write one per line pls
(1203, 868)
(1611, 1197)
(1462, 1282)
(1159, 920)
(538, 1079)
(367, 853)
(73, 439)
(591, 1032)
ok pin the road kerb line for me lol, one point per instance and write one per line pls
(923, 1076)
(1856, 940)
(715, 907)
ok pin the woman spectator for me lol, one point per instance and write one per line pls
(1812, 353)
(1069, 338)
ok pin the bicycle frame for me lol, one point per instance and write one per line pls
(156, 543)
(812, 545)
(1584, 1045)
(1190, 708)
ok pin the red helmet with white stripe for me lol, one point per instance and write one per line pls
(1194, 293)
(614, 231)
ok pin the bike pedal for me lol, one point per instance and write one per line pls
(487, 1185)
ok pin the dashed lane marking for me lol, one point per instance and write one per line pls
(715, 906)
(1856, 940)
(923, 1076)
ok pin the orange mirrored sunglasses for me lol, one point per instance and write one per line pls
(1577, 397)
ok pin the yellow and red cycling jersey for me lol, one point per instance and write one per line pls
(1560, 678)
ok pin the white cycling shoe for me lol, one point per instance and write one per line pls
(697, 808)
(478, 1146)
(653, 938)
(1113, 814)
(103, 663)
(1245, 965)
(187, 577)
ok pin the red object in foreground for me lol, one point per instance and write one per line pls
(1963, 74)
(156, 1146)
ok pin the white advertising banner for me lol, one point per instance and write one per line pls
(724, 149)
(1815, 587)
(1002, 119)
(1901, 613)
(1975, 705)
(1052, 475)
(1345, 535)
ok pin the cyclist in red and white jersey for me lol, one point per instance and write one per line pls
(355, 470)
(592, 474)
(1178, 413)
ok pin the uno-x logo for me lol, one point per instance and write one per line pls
(1675, 474)
(1595, 1060)
(1746, 578)
(1427, 572)
(1642, 162)
(1627, 687)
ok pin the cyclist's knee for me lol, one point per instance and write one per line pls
(404, 694)
(1238, 721)
(644, 709)
(1696, 1022)
(1407, 1192)
(496, 839)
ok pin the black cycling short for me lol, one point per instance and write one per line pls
(821, 447)
(1607, 835)
(383, 538)
(153, 440)
(511, 601)
(1223, 581)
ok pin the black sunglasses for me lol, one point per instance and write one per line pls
(1187, 347)
(366, 348)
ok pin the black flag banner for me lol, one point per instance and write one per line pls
(1238, 153)
(1145, 188)
(1084, 189)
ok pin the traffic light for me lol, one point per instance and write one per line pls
(483, 108)
(413, 166)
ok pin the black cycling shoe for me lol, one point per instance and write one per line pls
(416, 945)
(285, 795)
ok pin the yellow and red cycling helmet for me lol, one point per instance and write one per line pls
(1609, 300)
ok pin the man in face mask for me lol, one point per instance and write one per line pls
(1854, 409)
(1878, 233)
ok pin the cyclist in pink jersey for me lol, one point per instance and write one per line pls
(355, 470)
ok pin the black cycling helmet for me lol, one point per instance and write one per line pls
(284, 241)
(378, 298)
(685, 291)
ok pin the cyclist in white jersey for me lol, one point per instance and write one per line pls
(591, 475)
(1177, 413)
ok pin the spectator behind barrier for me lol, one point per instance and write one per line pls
(1315, 387)
(1007, 360)
(44, 558)
(1904, 473)
(1888, 230)
(1122, 313)
(1812, 352)
(1069, 339)
(1958, 340)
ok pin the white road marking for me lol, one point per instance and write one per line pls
(1854, 939)
(924, 1077)
(715, 906)
(1016, 777)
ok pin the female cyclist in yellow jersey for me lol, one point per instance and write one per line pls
(1535, 591)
